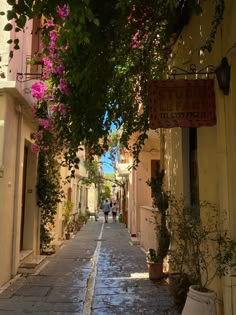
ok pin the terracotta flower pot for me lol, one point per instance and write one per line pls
(67, 236)
(155, 270)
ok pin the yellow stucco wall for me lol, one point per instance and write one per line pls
(7, 184)
(148, 236)
(16, 136)
(216, 145)
(139, 192)
(18, 126)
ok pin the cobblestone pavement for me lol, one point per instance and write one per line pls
(98, 272)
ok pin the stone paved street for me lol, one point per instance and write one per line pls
(98, 272)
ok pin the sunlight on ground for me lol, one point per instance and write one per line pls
(137, 275)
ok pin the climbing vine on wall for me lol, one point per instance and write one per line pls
(49, 194)
(107, 51)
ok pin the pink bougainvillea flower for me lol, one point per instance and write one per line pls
(53, 36)
(47, 63)
(40, 121)
(63, 87)
(53, 108)
(135, 40)
(38, 90)
(38, 135)
(46, 124)
(63, 12)
(58, 70)
(49, 23)
(35, 148)
(62, 109)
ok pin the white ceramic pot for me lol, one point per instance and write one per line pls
(200, 303)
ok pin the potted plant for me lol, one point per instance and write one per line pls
(160, 201)
(202, 249)
(67, 218)
(155, 264)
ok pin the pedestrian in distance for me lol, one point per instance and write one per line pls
(106, 209)
(114, 210)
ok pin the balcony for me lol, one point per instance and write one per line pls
(33, 71)
(123, 169)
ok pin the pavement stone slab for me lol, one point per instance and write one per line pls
(99, 269)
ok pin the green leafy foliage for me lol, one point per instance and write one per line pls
(201, 247)
(67, 215)
(8, 27)
(160, 201)
(105, 194)
(152, 256)
(218, 17)
(49, 194)
(114, 48)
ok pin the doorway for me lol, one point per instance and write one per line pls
(193, 168)
(23, 198)
(190, 166)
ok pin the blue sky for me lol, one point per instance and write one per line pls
(105, 159)
(106, 163)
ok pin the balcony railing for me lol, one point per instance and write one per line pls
(33, 71)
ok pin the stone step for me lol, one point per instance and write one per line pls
(134, 240)
(25, 254)
(31, 264)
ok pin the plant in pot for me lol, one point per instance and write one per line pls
(67, 218)
(83, 218)
(202, 249)
(155, 258)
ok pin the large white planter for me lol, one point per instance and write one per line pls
(200, 303)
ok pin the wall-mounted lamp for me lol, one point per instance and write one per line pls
(223, 76)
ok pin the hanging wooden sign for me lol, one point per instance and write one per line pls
(181, 103)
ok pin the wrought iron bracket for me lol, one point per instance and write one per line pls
(177, 71)
(24, 77)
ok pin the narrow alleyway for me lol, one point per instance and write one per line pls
(98, 272)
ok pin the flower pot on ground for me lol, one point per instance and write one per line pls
(155, 267)
(67, 235)
(82, 218)
(201, 248)
(155, 270)
(198, 302)
(67, 218)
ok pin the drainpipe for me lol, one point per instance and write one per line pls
(15, 240)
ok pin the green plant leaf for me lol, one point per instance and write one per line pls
(8, 27)
(11, 15)
(11, 54)
(21, 21)
(11, 2)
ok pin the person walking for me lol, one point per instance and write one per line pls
(114, 210)
(106, 209)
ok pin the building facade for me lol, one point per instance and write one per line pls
(200, 162)
(136, 199)
(20, 216)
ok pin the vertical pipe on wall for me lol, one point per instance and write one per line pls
(16, 223)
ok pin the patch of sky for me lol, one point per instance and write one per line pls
(107, 162)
